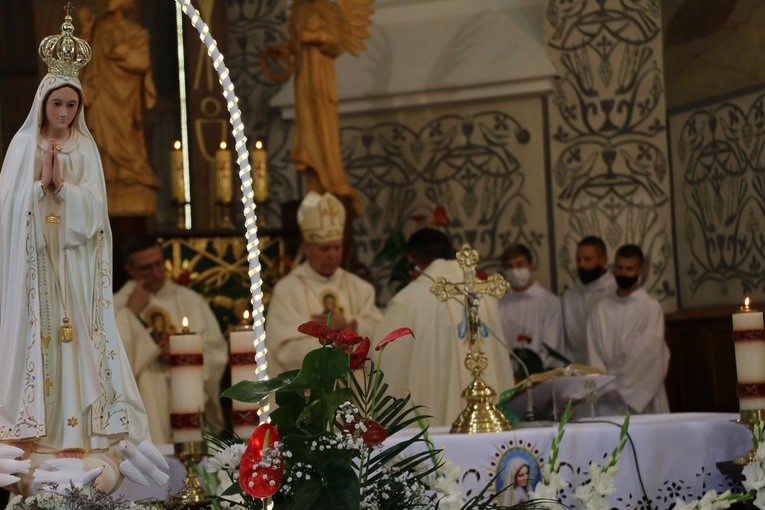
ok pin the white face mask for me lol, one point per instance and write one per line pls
(518, 277)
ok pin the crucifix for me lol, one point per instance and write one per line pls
(481, 414)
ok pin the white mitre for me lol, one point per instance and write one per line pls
(321, 218)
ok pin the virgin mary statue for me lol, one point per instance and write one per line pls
(66, 389)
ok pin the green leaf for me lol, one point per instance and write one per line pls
(321, 368)
(255, 391)
(322, 410)
(393, 247)
(341, 488)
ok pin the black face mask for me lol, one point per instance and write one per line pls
(626, 282)
(590, 275)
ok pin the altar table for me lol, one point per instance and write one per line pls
(675, 455)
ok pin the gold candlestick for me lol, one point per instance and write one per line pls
(481, 414)
(192, 496)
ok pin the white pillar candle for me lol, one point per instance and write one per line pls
(259, 172)
(177, 184)
(749, 345)
(187, 385)
(223, 160)
(242, 361)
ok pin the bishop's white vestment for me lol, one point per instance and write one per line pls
(577, 303)
(163, 315)
(432, 365)
(304, 292)
(532, 317)
(625, 337)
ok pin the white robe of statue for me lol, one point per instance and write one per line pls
(432, 365)
(78, 396)
(304, 292)
(626, 338)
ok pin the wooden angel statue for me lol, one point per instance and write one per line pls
(320, 31)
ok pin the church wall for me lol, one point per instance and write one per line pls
(608, 149)
(719, 182)
(482, 162)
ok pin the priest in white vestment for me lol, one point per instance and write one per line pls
(149, 309)
(625, 334)
(317, 287)
(531, 315)
(594, 283)
(432, 365)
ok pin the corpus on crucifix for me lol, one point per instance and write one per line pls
(480, 414)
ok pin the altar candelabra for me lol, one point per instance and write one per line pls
(481, 414)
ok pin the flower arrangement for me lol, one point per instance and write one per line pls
(77, 498)
(323, 447)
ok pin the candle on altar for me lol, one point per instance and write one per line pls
(187, 385)
(259, 173)
(242, 361)
(223, 160)
(177, 184)
(749, 347)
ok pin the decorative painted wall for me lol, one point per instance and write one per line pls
(608, 135)
(718, 156)
(483, 163)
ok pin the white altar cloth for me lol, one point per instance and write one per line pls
(675, 454)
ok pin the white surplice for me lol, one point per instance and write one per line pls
(302, 293)
(534, 314)
(626, 338)
(577, 303)
(77, 395)
(432, 365)
(172, 302)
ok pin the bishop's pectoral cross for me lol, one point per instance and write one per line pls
(480, 415)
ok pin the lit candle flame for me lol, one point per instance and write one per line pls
(745, 308)
(246, 317)
(177, 145)
(258, 144)
(185, 324)
(223, 145)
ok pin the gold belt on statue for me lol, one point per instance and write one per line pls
(52, 218)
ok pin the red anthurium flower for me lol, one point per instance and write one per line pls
(370, 431)
(440, 219)
(324, 333)
(360, 354)
(261, 468)
(347, 337)
(396, 333)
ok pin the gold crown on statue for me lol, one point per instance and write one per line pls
(65, 54)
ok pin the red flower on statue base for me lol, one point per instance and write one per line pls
(262, 467)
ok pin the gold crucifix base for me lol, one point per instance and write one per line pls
(480, 414)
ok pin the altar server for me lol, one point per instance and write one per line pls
(594, 283)
(625, 337)
(531, 314)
